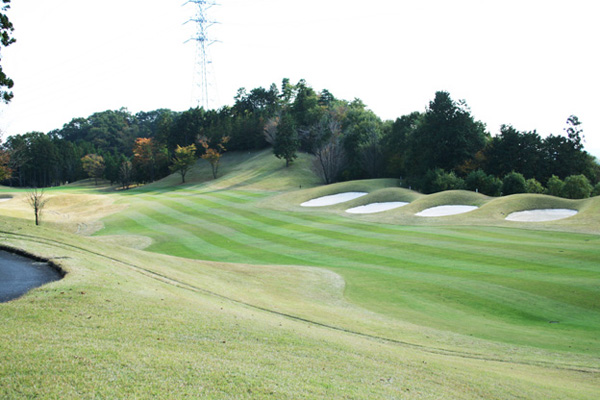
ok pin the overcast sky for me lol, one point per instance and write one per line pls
(527, 63)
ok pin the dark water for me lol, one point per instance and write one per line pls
(20, 274)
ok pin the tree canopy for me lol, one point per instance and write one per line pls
(94, 166)
(6, 39)
(5, 171)
(442, 147)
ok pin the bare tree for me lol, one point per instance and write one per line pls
(371, 153)
(126, 173)
(271, 130)
(330, 156)
(37, 200)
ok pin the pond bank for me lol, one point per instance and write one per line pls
(19, 273)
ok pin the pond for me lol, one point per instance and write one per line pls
(19, 274)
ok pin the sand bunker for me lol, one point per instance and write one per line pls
(333, 199)
(5, 199)
(442, 211)
(376, 207)
(551, 214)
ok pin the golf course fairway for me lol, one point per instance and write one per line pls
(229, 288)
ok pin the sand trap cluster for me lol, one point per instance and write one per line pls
(333, 199)
(442, 211)
(551, 214)
(376, 207)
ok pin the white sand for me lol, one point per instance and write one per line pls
(442, 211)
(551, 214)
(376, 207)
(5, 199)
(333, 199)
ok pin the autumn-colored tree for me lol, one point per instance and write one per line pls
(94, 166)
(184, 160)
(213, 155)
(148, 159)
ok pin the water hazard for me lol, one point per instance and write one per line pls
(19, 274)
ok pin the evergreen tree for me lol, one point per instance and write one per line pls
(447, 137)
(286, 143)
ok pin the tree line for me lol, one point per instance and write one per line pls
(441, 148)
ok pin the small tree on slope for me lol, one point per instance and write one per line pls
(285, 141)
(184, 160)
(37, 200)
(213, 155)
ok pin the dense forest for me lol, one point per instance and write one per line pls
(439, 149)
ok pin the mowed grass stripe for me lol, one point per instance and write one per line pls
(463, 256)
(174, 237)
(490, 235)
(555, 291)
(470, 243)
(167, 237)
(428, 251)
(310, 252)
(236, 249)
(517, 251)
(410, 288)
(436, 267)
(455, 234)
(581, 246)
(236, 197)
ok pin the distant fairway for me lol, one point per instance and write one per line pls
(239, 292)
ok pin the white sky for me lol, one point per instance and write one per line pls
(527, 63)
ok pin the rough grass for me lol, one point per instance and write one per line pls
(242, 293)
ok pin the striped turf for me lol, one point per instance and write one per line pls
(501, 284)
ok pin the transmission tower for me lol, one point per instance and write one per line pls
(202, 43)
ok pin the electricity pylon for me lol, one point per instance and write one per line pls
(202, 43)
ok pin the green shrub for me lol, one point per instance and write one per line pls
(512, 183)
(554, 187)
(438, 180)
(577, 187)
(493, 186)
(596, 191)
(533, 186)
(479, 181)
